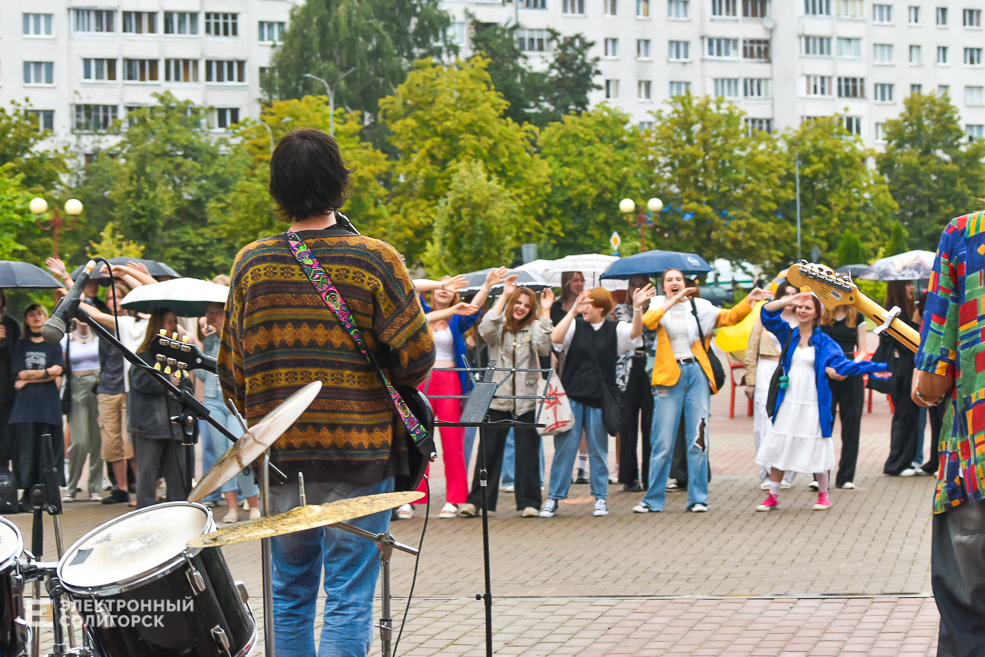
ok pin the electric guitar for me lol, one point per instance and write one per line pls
(177, 357)
(834, 289)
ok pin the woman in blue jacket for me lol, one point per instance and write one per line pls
(800, 438)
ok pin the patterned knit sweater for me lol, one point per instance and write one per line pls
(279, 336)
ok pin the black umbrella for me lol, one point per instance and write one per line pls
(853, 270)
(25, 275)
(154, 268)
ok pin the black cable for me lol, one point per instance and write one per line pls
(417, 562)
(112, 286)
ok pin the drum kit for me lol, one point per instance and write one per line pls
(154, 581)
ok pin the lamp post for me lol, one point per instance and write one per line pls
(643, 219)
(270, 132)
(73, 208)
(331, 98)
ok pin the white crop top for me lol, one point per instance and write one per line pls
(83, 357)
(444, 345)
(677, 331)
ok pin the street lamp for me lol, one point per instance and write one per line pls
(271, 134)
(654, 205)
(73, 208)
(331, 98)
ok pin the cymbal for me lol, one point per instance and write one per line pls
(309, 516)
(255, 441)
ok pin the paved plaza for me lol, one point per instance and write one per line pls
(851, 580)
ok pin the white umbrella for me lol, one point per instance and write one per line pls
(591, 265)
(187, 297)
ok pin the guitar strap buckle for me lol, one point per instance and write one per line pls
(888, 318)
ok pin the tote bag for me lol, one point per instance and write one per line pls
(556, 414)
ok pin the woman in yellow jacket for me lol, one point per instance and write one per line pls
(683, 379)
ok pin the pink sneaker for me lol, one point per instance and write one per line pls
(772, 501)
(823, 502)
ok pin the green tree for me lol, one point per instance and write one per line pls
(112, 245)
(933, 174)
(595, 162)
(897, 240)
(850, 250)
(22, 144)
(509, 71)
(476, 223)
(440, 116)
(14, 213)
(570, 77)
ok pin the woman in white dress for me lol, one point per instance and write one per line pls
(800, 438)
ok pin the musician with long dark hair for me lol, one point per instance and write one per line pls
(906, 414)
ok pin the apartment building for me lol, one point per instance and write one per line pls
(82, 64)
(781, 61)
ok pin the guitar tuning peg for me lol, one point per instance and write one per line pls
(157, 366)
(174, 336)
(167, 370)
(184, 339)
(177, 374)
(164, 332)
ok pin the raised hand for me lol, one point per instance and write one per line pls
(56, 267)
(462, 308)
(139, 266)
(642, 296)
(582, 303)
(496, 276)
(759, 294)
(454, 284)
(686, 292)
(547, 300)
(799, 299)
(509, 285)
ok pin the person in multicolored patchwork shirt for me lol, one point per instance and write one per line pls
(951, 369)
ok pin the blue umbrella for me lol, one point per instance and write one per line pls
(654, 262)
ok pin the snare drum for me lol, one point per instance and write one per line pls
(142, 593)
(15, 633)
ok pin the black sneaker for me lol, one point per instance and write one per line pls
(117, 497)
(581, 478)
(634, 487)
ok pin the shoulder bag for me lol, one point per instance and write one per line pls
(556, 414)
(779, 380)
(611, 401)
(717, 370)
(409, 403)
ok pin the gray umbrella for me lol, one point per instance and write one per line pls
(530, 279)
(14, 274)
(853, 270)
(154, 268)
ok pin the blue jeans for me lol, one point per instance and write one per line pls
(209, 457)
(351, 567)
(921, 430)
(691, 392)
(566, 450)
(244, 481)
(509, 461)
(470, 433)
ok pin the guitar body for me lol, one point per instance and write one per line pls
(834, 289)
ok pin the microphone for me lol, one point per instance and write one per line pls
(54, 329)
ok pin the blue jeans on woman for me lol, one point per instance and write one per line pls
(244, 481)
(566, 450)
(692, 394)
(351, 567)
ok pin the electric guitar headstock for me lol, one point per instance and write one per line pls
(178, 357)
(835, 289)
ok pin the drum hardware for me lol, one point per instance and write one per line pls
(195, 580)
(15, 630)
(220, 639)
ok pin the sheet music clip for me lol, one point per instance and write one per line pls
(888, 318)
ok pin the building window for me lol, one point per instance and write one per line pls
(757, 87)
(99, 69)
(815, 46)
(724, 8)
(817, 7)
(221, 24)
(94, 20)
(533, 40)
(883, 93)
(942, 16)
(646, 125)
(974, 131)
(140, 22)
(882, 53)
(755, 8)
(271, 32)
(94, 117)
(612, 89)
(851, 87)
(972, 17)
(916, 55)
(720, 48)
(849, 48)
(140, 70)
(642, 8)
(46, 119)
(220, 71)
(180, 22)
(535, 4)
(681, 50)
(39, 72)
(727, 87)
(609, 7)
(643, 89)
(37, 24)
(853, 124)
(763, 125)
(181, 70)
(642, 49)
(914, 16)
(677, 9)
(574, 7)
(942, 56)
(818, 85)
(611, 48)
(973, 56)
(850, 8)
(916, 89)
(882, 13)
(455, 33)
(973, 96)
(880, 132)
(226, 117)
(679, 88)
(943, 90)
(760, 49)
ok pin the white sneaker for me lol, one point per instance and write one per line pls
(699, 508)
(614, 478)
(642, 508)
(848, 486)
(468, 511)
(600, 509)
(448, 511)
(405, 512)
(550, 508)
(507, 488)
(784, 485)
(765, 485)
(814, 486)
(246, 505)
(530, 512)
(232, 515)
(95, 497)
(909, 472)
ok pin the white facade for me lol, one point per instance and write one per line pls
(83, 63)
(809, 58)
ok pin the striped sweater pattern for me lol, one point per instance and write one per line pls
(279, 336)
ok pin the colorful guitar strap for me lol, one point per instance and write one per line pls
(330, 295)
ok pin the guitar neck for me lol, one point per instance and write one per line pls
(898, 329)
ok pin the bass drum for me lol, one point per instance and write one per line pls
(142, 593)
(15, 633)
